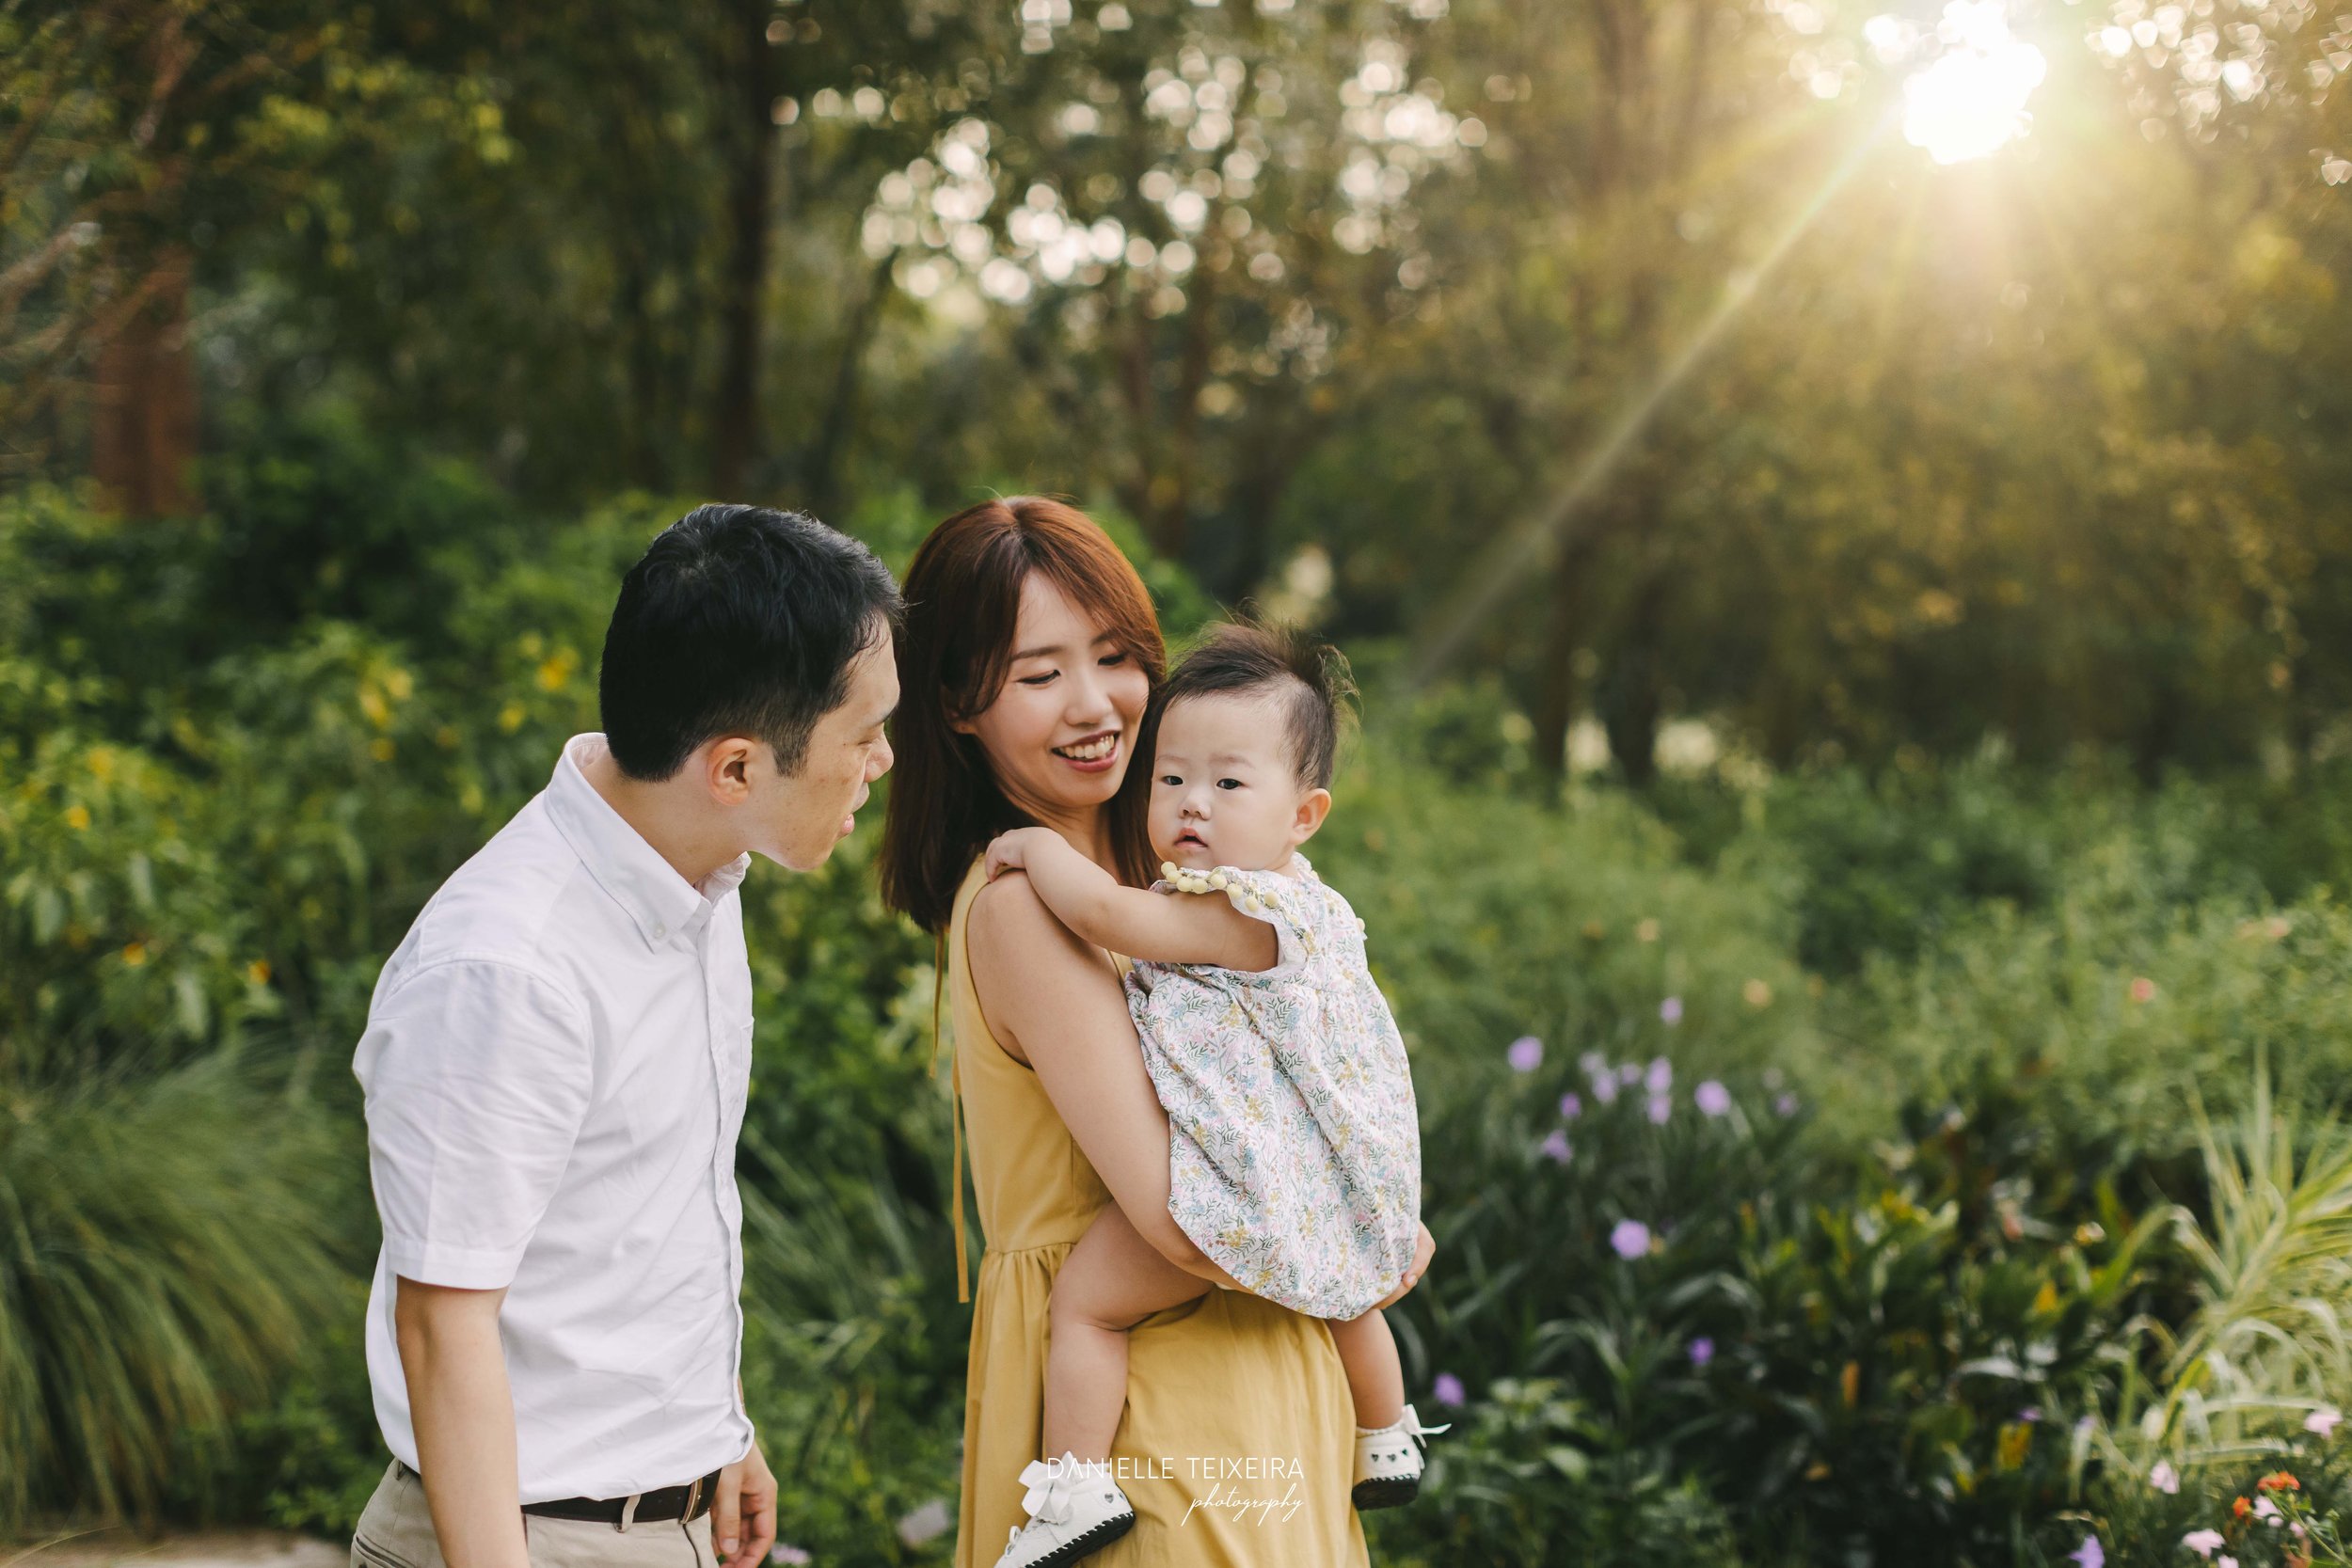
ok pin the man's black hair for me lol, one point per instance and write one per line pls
(1309, 676)
(739, 620)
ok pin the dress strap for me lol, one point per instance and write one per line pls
(955, 1114)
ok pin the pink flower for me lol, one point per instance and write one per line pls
(2165, 1479)
(1713, 1097)
(1555, 1147)
(1661, 1076)
(2204, 1542)
(1670, 1011)
(2324, 1421)
(2143, 989)
(1702, 1352)
(1786, 1104)
(1448, 1390)
(1570, 1107)
(1526, 1054)
(1605, 1088)
(2090, 1554)
(791, 1555)
(1629, 1239)
(1660, 1108)
(1629, 1074)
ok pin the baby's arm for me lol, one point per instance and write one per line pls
(1153, 927)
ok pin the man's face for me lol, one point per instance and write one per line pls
(804, 813)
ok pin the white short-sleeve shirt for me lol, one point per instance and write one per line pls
(555, 1065)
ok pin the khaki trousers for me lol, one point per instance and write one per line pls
(396, 1532)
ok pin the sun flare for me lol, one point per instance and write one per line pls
(1971, 100)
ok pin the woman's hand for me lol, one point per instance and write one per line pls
(1010, 851)
(1423, 1248)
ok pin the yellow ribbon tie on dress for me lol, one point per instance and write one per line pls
(955, 1113)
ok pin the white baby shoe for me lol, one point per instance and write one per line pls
(1388, 1462)
(1075, 1509)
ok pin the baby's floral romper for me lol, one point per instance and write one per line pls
(1293, 1149)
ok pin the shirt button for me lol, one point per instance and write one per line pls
(661, 931)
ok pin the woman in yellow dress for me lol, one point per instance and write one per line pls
(1025, 667)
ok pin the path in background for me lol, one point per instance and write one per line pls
(200, 1549)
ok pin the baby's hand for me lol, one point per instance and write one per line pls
(1424, 1246)
(1010, 851)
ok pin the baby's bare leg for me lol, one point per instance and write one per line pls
(1111, 1278)
(1374, 1376)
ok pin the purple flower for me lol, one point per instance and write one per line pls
(1448, 1390)
(1661, 1076)
(1570, 1107)
(1593, 1062)
(927, 1521)
(1660, 1107)
(1713, 1097)
(1605, 1088)
(789, 1555)
(1630, 1074)
(2165, 1479)
(2090, 1554)
(1629, 1239)
(1786, 1104)
(2031, 1414)
(1670, 1011)
(1702, 1352)
(1526, 1054)
(1555, 1147)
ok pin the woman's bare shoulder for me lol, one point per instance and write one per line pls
(1010, 926)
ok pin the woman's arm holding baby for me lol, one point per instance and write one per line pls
(1155, 927)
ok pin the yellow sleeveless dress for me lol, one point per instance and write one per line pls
(1238, 1440)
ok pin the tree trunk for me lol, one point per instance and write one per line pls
(1556, 684)
(735, 419)
(821, 478)
(1631, 695)
(143, 429)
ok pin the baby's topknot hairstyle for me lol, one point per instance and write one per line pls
(1246, 655)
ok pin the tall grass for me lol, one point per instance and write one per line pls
(163, 1252)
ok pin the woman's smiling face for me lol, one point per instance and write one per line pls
(1061, 729)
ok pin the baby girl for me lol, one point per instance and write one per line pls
(1294, 1153)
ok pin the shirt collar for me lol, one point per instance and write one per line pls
(664, 904)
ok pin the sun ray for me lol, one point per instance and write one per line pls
(1504, 563)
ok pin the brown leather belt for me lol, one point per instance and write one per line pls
(689, 1502)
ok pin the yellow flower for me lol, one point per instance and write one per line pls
(101, 763)
(372, 703)
(556, 668)
(400, 683)
(2014, 1443)
(77, 818)
(1850, 1383)
(258, 972)
(511, 717)
(134, 954)
(2047, 1299)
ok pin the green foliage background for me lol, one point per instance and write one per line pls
(1927, 724)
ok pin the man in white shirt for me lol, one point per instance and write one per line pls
(555, 1066)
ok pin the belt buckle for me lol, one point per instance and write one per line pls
(694, 1500)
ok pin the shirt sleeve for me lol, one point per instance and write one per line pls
(477, 1076)
(1279, 901)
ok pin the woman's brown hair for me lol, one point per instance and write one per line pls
(962, 598)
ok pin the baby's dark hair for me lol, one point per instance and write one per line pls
(1250, 656)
